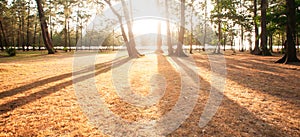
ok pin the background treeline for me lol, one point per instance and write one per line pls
(66, 20)
(266, 20)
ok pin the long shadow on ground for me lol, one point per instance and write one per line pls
(230, 120)
(9, 106)
(263, 77)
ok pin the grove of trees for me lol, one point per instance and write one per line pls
(48, 23)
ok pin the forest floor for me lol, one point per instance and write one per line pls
(37, 96)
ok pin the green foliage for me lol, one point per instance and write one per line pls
(65, 49)
(11, 51)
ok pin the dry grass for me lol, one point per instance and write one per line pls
(260, 99)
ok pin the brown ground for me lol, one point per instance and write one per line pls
(261, 98)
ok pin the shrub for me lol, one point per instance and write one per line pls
(65, 49)
(11, 51)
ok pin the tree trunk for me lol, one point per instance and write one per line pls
(77, 29)
(290, 54)
(159, 37)
(179, 51)
(1, 43)
(40, 35)
(169, 42)
(13, 35)
(28, 31)
(69, 37)
(20, 33)
(50, 20)
(44, 27)
(3, 34)
(66, 33)
(134, 52)
(282, 42)
(34, 36)
(231, 44)
(224, 43)
(191, 38)
(263, 44)
(256, 50)
(129, 50)
(23, 33)
(217, 50)
(242, 39)
(205, 21)
(271, 43)
(298, 43)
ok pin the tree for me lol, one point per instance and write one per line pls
(290, 54)
(130, 45)
(191, 21)
(3, 35)
(205, 24)
(217, 50)
(169, 42)
(179, 51)
(44, 27)
(159, 37)
(134, 52)
(256, 50)
(263, 42)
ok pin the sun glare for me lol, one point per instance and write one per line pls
(147, 26)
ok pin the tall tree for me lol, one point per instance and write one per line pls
(191, 21)
(256, 50)
(3, 34)
(132, 51)
(169, 42)
(217, 50)
(28, 27)
(179, 51)
(44, 27)
(290, 54)
(263, 42)
(159, 37)
(205, 25)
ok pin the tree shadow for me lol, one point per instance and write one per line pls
(11, 105)
(231, 118)
(265, 78)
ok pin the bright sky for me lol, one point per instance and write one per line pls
(146, 15)
(148, 8)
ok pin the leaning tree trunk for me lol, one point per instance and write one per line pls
(44, 27)
(134, 52)
(256, 50)
(263, 44)
(179, 51)
(129, 50)
(290, 53)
